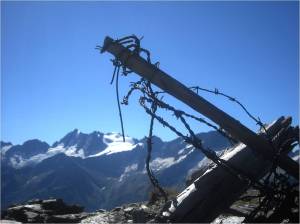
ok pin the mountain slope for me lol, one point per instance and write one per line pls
(96, 170)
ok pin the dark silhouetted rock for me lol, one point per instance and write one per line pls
(39, 211)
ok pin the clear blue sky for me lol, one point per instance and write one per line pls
(53, 80)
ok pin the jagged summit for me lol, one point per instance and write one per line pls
(74, 144)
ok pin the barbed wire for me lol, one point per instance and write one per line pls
(152, 178)
(270, 189)
(146, 90)
(197, 143)
(137, 86)
(217, 92)
(193, 139)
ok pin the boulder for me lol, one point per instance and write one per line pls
(39, 211)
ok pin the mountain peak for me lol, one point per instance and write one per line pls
(27, 149)
(5, 146)
(76, 130)
(2, 144)
(33, 142)
(90, 143)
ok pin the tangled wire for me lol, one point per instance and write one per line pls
(152, 100)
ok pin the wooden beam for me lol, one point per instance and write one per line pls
(215, 190)
(161, 79)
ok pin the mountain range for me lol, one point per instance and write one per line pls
(97, 170)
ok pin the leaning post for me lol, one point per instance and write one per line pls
(175, 88)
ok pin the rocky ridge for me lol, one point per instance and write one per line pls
(56, 211)
(44, 211)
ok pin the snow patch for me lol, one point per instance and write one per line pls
(162, 163)
(69, 151)
(127, 170)
(72, 151)
(4, 149)
(116, 137)
(18, 162)
(133, 167)
(115, 144)
(184, 149)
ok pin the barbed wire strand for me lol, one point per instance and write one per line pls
(152, 178)
(150, 96)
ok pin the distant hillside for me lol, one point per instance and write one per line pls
(96, 170)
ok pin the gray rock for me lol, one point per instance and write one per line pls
(38, 211)
(128, 210)
(4, 221)
(101, 210)
(140, 216)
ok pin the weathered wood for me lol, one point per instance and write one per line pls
(216, 189)
(184, 94)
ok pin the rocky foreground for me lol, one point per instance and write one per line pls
(56, 211)
(44, 211)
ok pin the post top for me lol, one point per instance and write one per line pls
(107, 41)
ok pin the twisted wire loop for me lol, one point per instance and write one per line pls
(152, 178)
(272, 190)
(133, 43)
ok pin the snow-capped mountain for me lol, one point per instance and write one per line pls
(96, 170)
(74, 144)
